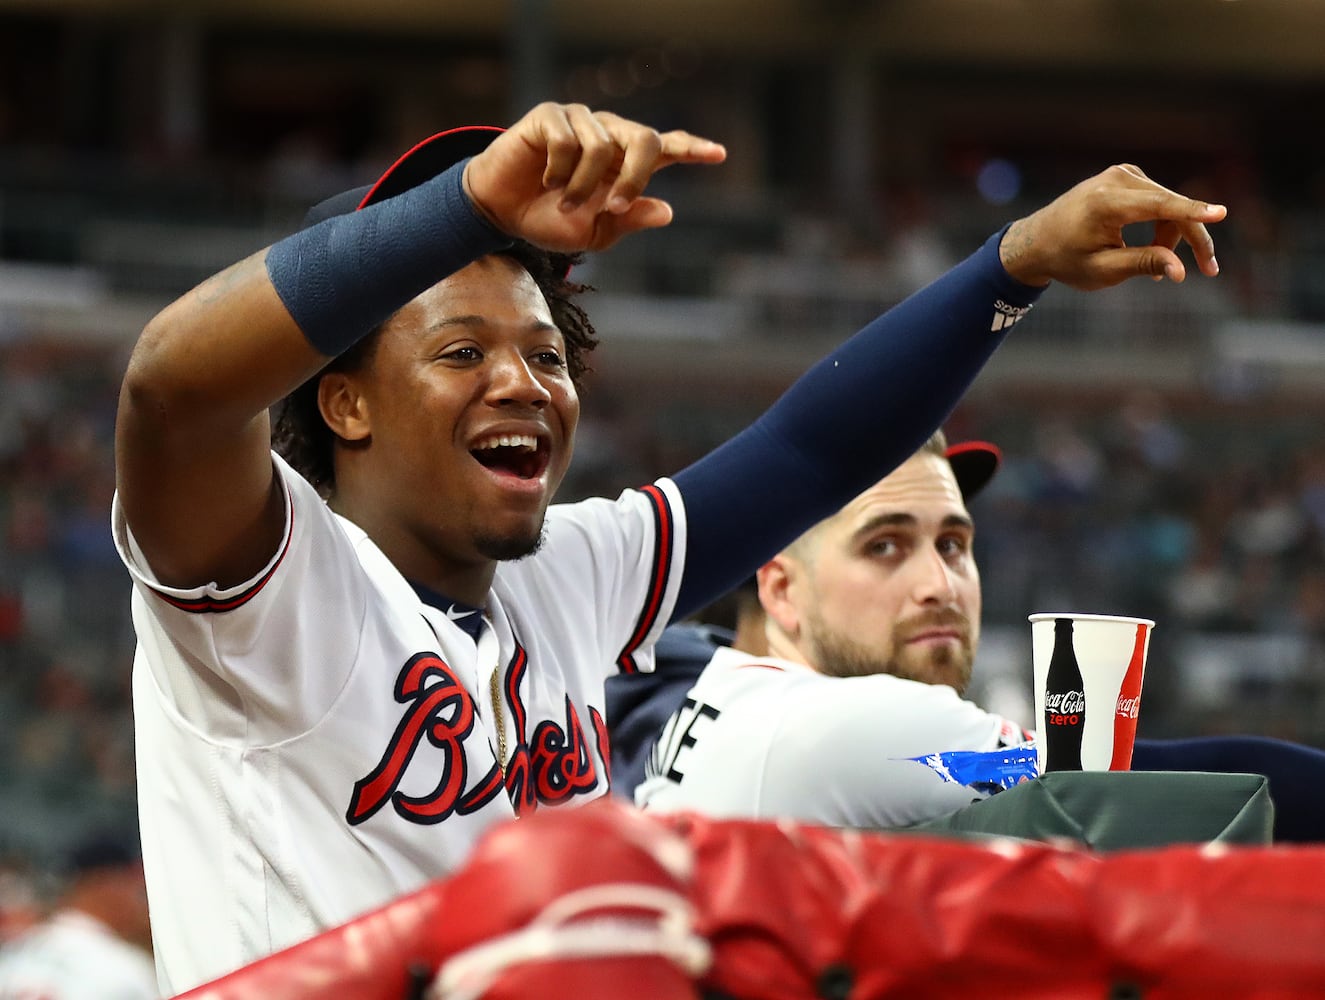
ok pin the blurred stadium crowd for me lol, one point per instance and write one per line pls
(1163, 452)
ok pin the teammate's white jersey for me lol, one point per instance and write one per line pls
(768, 738)
(73, 956)
(317, 741)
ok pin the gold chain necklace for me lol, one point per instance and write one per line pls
(501, 724)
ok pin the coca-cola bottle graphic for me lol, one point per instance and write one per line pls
(1064, 703)
(1129, 705)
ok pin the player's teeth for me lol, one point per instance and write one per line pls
(511, 441)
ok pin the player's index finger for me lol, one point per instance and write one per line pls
(1169, 205)
(679, 146)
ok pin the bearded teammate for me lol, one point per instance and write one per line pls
(357, 655)
(854, 717)
(842, 705)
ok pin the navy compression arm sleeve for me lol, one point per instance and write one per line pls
(850, 420)
(343, 276)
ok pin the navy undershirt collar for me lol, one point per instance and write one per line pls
(468, 617)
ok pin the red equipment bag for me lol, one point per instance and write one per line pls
(607, 902)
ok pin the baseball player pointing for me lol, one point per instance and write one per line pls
(361, 648)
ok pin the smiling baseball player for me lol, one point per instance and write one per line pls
(359, 652)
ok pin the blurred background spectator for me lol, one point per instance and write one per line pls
(95, 943)
(1163, 448)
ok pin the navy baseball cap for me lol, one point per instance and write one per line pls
(423, 162)
(974, 464)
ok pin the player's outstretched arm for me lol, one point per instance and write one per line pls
(1077, 238)
(193, 467)
(865, 408)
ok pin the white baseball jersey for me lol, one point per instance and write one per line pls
(317, 741)
(73, 956)
(768, 738)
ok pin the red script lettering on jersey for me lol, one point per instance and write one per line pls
(556, 764)
(442, 710)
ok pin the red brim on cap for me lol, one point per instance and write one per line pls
(422, 163)
(974, 464)
(429, 158)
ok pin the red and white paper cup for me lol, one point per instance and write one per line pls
(1088, 671)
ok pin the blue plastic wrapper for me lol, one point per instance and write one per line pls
(987, 771)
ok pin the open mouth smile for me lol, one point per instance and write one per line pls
(522, 456)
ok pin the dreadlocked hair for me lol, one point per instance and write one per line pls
(302, 437)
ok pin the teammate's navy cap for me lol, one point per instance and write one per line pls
(974, 464)
(422, 163)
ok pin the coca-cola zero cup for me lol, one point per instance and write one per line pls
(1088, 673)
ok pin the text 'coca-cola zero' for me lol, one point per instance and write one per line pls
(1064, 703)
